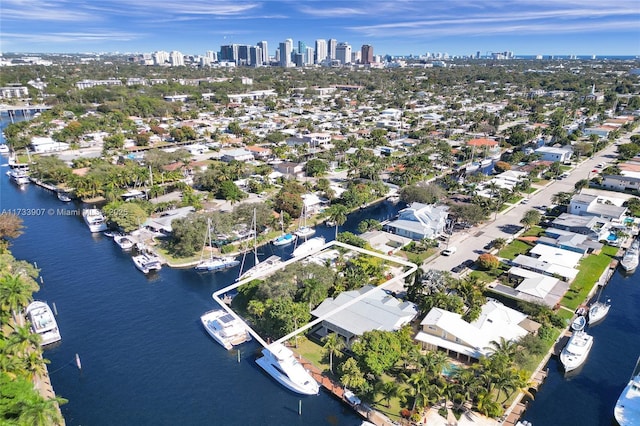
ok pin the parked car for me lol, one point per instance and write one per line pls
(449, 251)
(461, 267)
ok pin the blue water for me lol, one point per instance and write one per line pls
(145, 356)
(612, 237)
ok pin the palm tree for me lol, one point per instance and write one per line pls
(337, 213)
(22, 339)
(15, 294)
(507, 348)
(389, 390)
(333, 345)
(42, 412)
(34, 364)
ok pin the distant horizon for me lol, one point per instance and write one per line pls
(402, 28)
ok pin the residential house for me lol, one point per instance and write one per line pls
(594, 227)
(384, 241)
(594, 205)
(419, 221)
(46, 144)
(549, 153)
(621, 183)
(375, 311)
(239, 154)
(162, 223)
(533, 287)
(571, 241)
(447, 331)
(259, 152)
(290, 169)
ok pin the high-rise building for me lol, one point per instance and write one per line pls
(309, 55)
(343, 53)
(212, 56)
(255, 56)
(160, 57)
(321, 51)
(285, 53)
(366, 54)
(229, 53)
(331, 48)
(176, 58)
(243, 55)
(302, 47)
(265, 51)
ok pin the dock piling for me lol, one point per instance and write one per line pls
(55, 308)
(299, 407)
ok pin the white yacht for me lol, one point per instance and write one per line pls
(225, 328)
(575, 353)
(627, 410)
(19, 176)
(146, 262)
(309, 247)
(94, 220)
(631, 257)
(43, 322)
(280, 362)
(213, 263)
(260, 268)
(597, 311)
(124, 241)
(4, 148)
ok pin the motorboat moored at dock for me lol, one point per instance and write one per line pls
(627, 409)
(43, 322)
(225, 328)
(281, 364)
(576, 351)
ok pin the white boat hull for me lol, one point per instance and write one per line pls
(576, 351)
(146, 263)
(43, 322)
(262, 268)
(627, 409)
(309, 247)
(305, 232)
(94, 220)
(284, 240)
(597, 312)
(224, 329)
(216, 264)
(289, 372)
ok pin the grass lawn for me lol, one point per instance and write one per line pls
(418, 258)
(534, 231)
(514, 248)
(591, 268)
(531, 190)
(314, 353)
(173, 260)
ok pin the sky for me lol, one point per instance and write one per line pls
(394, 27)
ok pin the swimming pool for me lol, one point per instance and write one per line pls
(612, 237)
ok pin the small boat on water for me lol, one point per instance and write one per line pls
(43, 322)
(631, 257)
(579, 323)
(147, 262)
(284, 240)
(627, 409)
(597, 312)
(4, 148)
(304, 232)
(213, 263)
(63, 196)
(94, 220)
(281, 364)
(309, 247)
(268, 264)
(124, 241)
(576, 351)
(225, 328)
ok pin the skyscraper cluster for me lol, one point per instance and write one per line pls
(324, 52)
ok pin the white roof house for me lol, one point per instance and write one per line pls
(555, 255)
(46, 144)
(377, 311)
(447, 330)
(419, 221)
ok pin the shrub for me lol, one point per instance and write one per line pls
(487, 261)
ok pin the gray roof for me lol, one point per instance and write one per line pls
(377, 311)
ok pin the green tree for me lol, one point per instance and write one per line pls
(351, 376)
(531, 218)
(127, 216)
(487, 261)
(337, 213)
(333, 346)
(315, 167)
(377, 351)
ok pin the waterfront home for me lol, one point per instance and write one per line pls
(376, 311)
(447, 331)
(162, 223)
(240, 154)
(384, 241)
(571, 241)
(419, 221)
(594, 205)
(532, 286)
(596, 228)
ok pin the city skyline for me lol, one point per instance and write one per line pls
(408, 27)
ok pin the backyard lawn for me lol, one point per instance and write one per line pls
(591, 267)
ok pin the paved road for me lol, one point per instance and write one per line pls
(470, 243)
